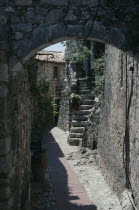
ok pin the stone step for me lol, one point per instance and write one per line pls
(76, 135)
(74, 141)
(89, 96)
(87, 102)
(86, 107)
(77, 130)
(84, 88)
(81, 92)
(82, 81)
(81, 112)
(83, 85)
(79, 123)
(80, 117)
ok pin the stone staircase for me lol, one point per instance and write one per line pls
(80, 117)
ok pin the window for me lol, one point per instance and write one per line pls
(55, 72)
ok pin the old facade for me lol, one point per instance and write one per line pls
(25, 28)
(51, 66)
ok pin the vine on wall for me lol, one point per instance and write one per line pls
(43, 109)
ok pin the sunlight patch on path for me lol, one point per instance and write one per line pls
(88, 173)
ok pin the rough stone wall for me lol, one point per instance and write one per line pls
(64, 112)
(90, 139)
(113, 121)
(32, 25)
(6, 173)
(15, 158)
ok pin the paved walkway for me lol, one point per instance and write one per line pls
(70, 195)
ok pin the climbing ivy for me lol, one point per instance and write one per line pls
(43, 105)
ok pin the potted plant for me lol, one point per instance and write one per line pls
(75, 100)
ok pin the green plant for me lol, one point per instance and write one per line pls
(75, 98)
(41, 99)
(55, 109)
(76, 51)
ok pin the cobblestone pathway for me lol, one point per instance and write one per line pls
(61, 189)
(43, 197)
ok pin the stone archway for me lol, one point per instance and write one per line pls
(25, 28)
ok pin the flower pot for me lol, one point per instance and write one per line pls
(75, 106)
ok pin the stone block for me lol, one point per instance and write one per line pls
(70, 16)
(15, 19)
(18, 35)
(4, 73)
(3, 91)
(3, 108)
(3, 45)
(5, 145)
(2, 2)
(54, 16)
(4, 128)
(11, 202)
(4, 206)
(25, 27)
(4, 182)
(23, 2)
(3, 20)
(6, 163)
(78, 2)
(92, 3)
(54, 2)
(4, 193)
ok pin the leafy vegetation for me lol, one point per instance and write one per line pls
(76, 51)
(75, 98)
(43, 105)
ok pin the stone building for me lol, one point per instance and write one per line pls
(29, 26)
(51, 66)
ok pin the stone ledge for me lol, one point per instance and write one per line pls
(23, 2)
(54, 2)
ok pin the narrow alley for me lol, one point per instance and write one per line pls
(70, 183)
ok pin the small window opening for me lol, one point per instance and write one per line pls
(55, 72)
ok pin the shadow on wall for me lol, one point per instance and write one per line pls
(66, 198)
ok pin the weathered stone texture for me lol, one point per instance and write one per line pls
(26, 26)
(64, 118)
(34, 23)
(46, 71)
(54, 2)
(16, 164)
(23, 2)
(91, 131)
(113, 121)
(65, 114)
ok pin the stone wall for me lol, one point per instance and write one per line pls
(113, 121)
(15, 155)
(21, 133)
(65, 114)
(46, 70)
(33, 25)
(90, 139)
